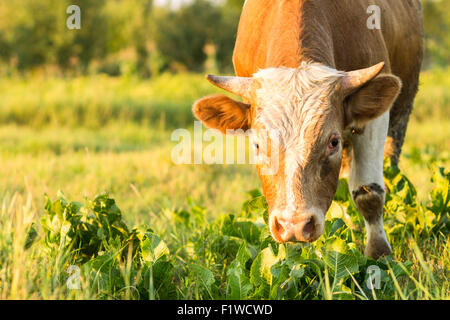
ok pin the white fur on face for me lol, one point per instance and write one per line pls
(292, 101)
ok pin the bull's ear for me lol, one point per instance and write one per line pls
(222, 113)
(371, 100)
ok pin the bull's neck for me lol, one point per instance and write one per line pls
(281, 33)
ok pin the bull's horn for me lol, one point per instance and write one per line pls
(237, 85)
(355, 79)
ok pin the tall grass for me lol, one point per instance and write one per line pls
(97, 100)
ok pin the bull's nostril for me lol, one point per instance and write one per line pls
(277, 226)
(309, 229)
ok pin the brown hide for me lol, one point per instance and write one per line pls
(334, 32)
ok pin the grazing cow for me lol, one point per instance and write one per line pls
(338, 92)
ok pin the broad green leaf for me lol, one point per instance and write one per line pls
(260, 269)
(246, 230)
(205, 276)
(239, 285)
(153, 248)
(297, 271)
(339, 258)
(243, 254)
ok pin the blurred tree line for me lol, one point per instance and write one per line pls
(137, 37)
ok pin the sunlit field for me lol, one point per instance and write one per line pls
(90, 135)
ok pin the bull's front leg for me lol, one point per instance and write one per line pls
(367, 184)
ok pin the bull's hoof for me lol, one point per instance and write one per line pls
(378, 248)
(369, 199)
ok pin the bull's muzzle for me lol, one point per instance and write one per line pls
(298, 227)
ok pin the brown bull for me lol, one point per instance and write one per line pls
(338, 92)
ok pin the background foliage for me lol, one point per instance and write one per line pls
(136, 36)
(116, 36)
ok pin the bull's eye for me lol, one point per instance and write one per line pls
(333, 145)
(334, 142)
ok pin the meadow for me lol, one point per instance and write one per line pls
(192, 231)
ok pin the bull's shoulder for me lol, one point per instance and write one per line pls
(268, 36)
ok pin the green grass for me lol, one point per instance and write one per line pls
(179, 255)
(99, 134)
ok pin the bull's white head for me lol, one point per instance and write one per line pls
(310, 107)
